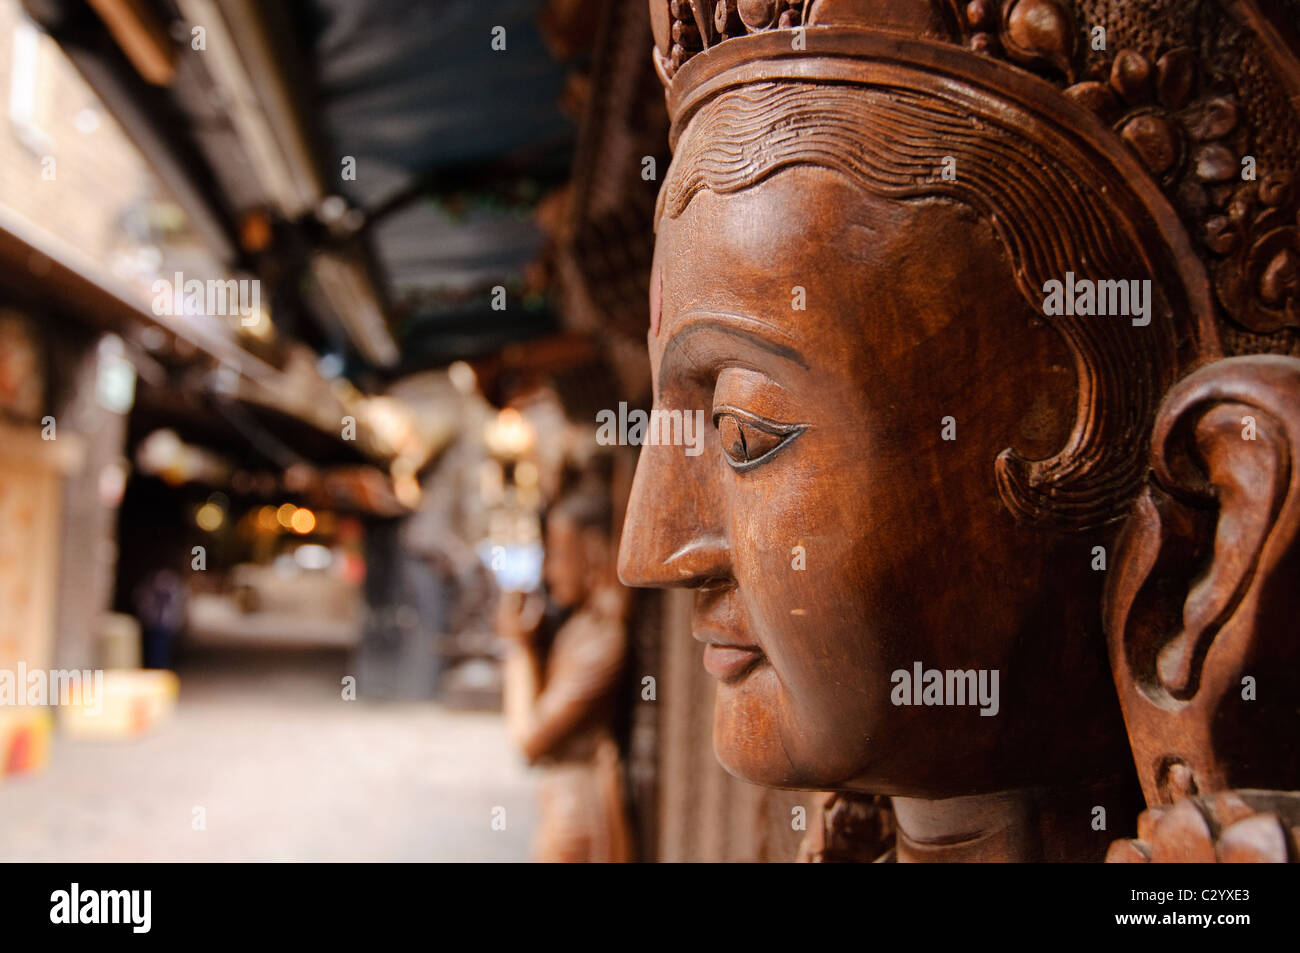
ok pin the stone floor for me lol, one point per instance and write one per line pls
(283, 770)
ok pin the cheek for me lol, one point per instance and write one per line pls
(815, 591)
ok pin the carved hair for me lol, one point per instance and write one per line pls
(1051, 220)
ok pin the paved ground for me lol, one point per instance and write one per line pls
(284, 770)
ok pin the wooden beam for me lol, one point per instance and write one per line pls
(142, 37)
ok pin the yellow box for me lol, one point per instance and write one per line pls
(131, 702)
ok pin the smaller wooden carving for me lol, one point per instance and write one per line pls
(561, 697)
(849, 829)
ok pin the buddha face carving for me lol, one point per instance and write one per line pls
(865, 360)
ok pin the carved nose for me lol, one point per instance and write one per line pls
(671, 537)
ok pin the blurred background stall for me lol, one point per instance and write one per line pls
(307, 309)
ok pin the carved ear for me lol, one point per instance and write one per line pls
(1200, 610)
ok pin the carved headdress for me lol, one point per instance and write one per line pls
(1204, 95)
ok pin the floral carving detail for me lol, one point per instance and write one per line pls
(1195, 147)
(1260, 283)
(1038, 31)
(1148, 105)
(1029, 32)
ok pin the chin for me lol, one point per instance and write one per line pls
(747, 736)
(770, 772)
(756, 740)
(743, 764)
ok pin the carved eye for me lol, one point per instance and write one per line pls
(748, 441)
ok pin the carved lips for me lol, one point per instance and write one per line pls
(725, 658)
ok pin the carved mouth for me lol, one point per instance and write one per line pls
(726, 658)
(729, 664)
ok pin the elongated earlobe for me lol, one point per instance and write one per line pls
(1201, 605)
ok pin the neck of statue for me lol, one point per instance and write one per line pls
(1040, 824)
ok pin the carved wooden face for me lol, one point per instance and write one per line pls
(832, 535)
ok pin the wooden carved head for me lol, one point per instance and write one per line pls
(953, 285)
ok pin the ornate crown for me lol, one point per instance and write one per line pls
(1204, 93)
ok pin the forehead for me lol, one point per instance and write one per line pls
(811, 228)
(801, 211)
(749, 249)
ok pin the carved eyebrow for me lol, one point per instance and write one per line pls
(751, 330)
